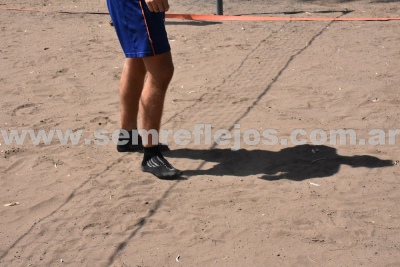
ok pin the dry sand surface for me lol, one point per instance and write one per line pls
(264, 205)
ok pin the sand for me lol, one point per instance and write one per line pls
(263, 205)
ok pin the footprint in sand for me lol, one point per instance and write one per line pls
(25, 109)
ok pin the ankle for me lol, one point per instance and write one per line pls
(129, 137)
(150, 152)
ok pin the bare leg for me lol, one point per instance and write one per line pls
(160, 70)
(159, 74)
(131, 85)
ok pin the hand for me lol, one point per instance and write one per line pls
(158, 5)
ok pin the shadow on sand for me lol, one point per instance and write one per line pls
(294, 163)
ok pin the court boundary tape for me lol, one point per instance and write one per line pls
(200, 17)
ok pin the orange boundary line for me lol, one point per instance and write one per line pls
(252, 18)
(214, 17)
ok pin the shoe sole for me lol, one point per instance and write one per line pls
(167, 177)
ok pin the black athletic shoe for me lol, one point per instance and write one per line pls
(129, 148)
(160, 167)
(126, 144)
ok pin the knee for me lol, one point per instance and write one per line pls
(163, 76)
(166, 72)
(169, 73)
(135, 67)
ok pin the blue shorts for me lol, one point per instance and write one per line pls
(141, 32)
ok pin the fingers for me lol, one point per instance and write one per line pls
(166, 5)
(158, 5)
(150, 5)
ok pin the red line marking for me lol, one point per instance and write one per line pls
(147, 28)
(214, 17)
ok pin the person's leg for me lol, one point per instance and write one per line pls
(130, 90)
(159, 74)
(160, 70)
